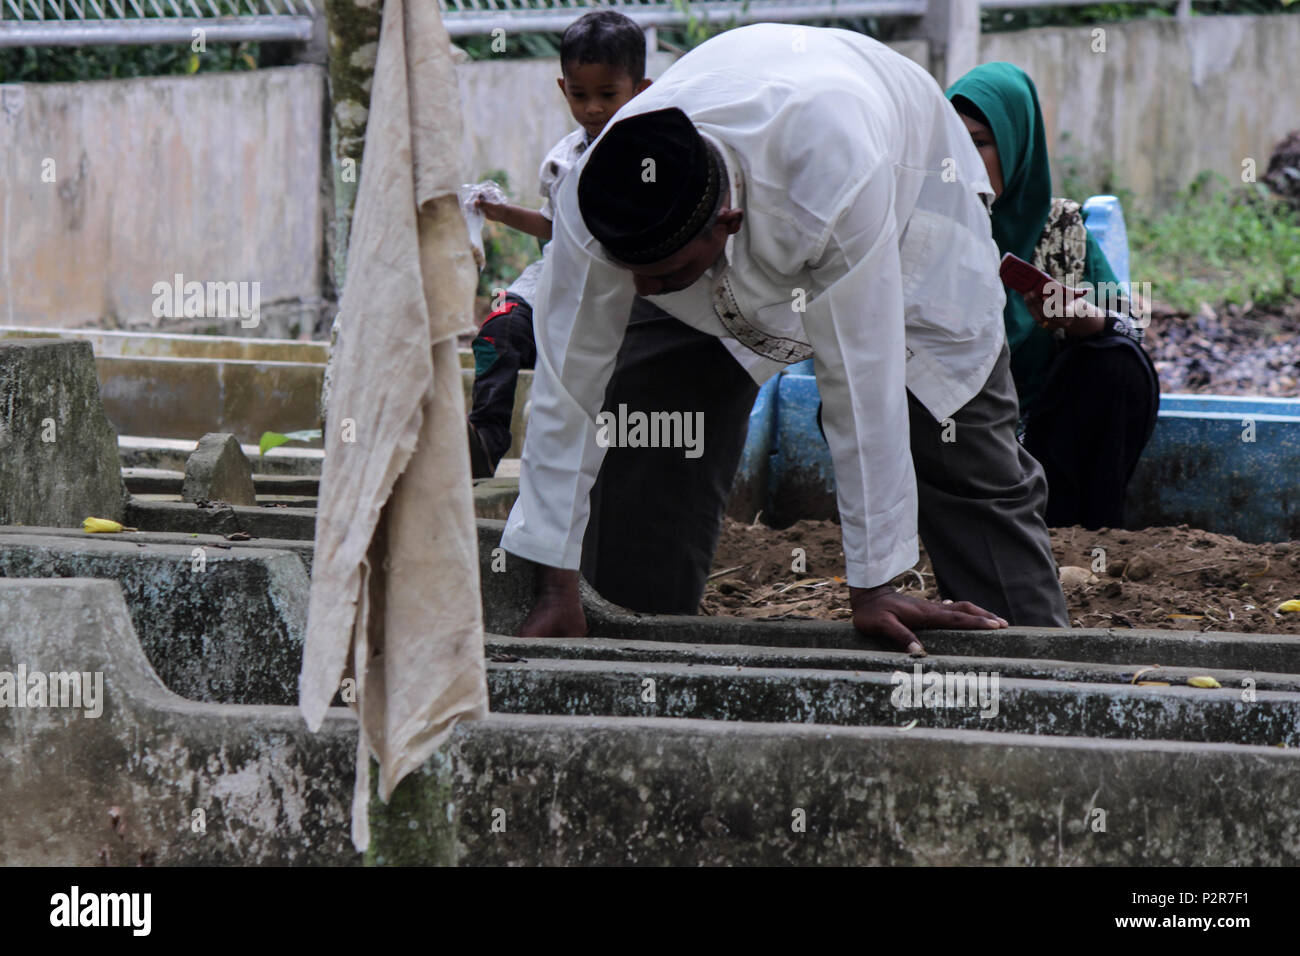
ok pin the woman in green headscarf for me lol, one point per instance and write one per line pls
(1088, 391)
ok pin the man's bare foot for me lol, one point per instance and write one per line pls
(558, 611)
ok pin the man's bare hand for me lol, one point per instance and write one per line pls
(883, 612)
(558, 611)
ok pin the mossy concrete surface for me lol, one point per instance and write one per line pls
(215, 543)
(665, 741)
(58, 452)
(602, 791)
(216, 624)
(155, 778)
(787, 696)
(185, 518)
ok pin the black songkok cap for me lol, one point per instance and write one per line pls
(641, 212)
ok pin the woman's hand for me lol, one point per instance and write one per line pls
(1065, 308)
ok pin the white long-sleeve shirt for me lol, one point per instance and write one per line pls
(554, 168)
(863, 205)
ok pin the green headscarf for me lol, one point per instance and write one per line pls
(1006, 96)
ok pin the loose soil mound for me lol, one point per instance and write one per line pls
(1178, 578)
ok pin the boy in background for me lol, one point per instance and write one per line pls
(602, 58)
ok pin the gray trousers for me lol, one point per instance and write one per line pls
(656, 516)
(981, 504)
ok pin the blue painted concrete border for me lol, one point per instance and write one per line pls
(1197, 470)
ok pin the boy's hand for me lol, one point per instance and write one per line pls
(491, 210)
(558, 611)
(883, 612)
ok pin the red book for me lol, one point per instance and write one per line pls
(1020, 276)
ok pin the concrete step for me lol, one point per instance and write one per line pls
(164, 481)
(832, 659)
(170, 454)
(183, 517)
(785, 696)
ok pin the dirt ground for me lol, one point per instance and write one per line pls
(1227, 350)
(1178, 578)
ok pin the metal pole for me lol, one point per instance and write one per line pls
(142, 32)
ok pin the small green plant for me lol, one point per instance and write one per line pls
(271, 440)
(1218, 243)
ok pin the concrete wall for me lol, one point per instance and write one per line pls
(216, 177)
(1167, 99)
(514, 113)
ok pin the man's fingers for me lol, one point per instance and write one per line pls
(959, 620)
(896, 632)
(975, 609)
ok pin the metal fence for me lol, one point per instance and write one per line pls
(104, 22)
(477, 17)
(109, 22)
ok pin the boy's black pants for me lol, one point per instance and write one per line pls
(503, 346)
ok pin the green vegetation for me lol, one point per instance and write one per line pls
(1217, 243)
(71, 64)
(1000, 21)
(271, 440)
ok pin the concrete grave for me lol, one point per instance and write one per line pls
(543, 790)
(757, 743)
(158, 779)
(154, 778)
(217, 622)
(58, 452)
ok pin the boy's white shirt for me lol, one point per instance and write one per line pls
(864, 197)
(561, 158)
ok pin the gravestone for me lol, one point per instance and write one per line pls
(219, 471)
(58, 452)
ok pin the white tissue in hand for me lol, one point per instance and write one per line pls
(469, 194)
